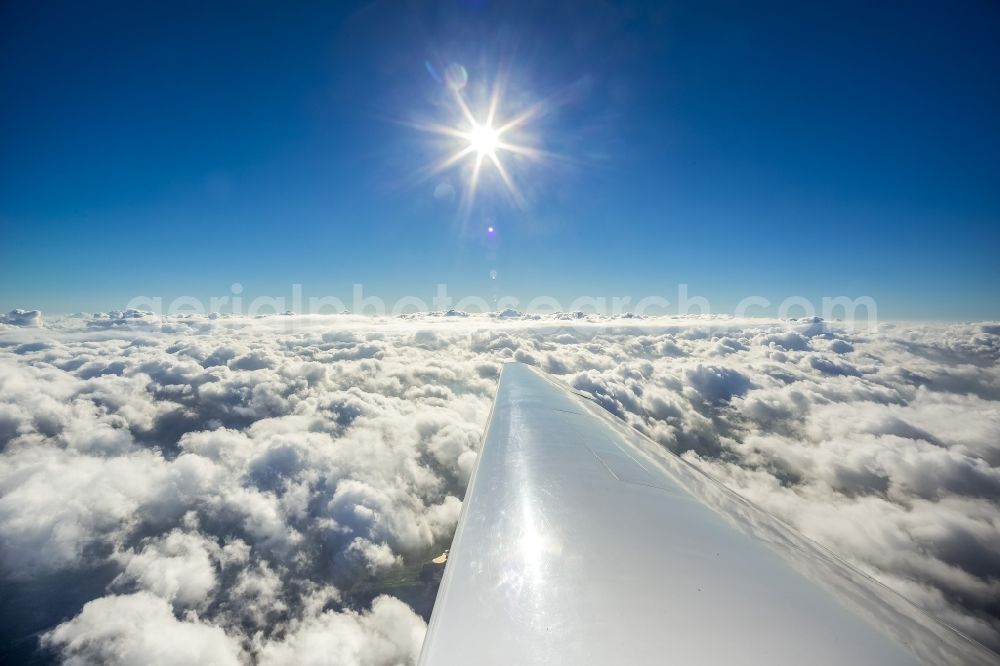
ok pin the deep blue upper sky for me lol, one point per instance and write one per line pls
(771, 148)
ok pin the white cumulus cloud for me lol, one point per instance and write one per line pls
(226, 490)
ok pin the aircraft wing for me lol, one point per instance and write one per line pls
(582, 542)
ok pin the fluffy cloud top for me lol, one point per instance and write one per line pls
(237, 491)
(19, 317)
(140, 629)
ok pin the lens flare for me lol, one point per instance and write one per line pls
(456, 76)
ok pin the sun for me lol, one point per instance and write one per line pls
(484, 139)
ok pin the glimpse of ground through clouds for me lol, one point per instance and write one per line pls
(272, 491)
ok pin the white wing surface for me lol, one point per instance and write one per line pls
(582, 542)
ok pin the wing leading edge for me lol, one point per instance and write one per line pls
(582, 542)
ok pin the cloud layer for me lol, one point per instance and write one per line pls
(271, 491)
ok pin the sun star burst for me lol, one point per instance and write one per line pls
(481, 140)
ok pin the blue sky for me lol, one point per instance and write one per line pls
(778, 149)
